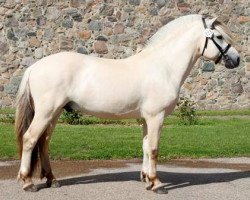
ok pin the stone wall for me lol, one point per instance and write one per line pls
(30, 30)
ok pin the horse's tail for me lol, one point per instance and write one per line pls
(24, 116)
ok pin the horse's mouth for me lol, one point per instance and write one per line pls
(231, 64)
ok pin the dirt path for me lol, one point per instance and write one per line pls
(185, 179)
(8, 169)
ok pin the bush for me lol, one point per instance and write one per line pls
(186, 112)
(72, 117)
(7, 118)
(76, 118)
(140, 121)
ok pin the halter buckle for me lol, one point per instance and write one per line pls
(208, 33)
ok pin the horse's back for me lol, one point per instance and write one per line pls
(59, 62)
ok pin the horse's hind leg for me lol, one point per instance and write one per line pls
(39, 124)
(46, 170)
(30, 138)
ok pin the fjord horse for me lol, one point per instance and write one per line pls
(145, 85)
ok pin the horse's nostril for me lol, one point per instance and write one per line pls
(238, 60)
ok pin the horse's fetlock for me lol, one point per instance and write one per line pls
(143, 176)
(152, 178)
(22, 176)
(154, 154)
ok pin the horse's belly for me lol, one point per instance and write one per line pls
(130, 114)
(107, 101)
(107, 113)
(107, 109)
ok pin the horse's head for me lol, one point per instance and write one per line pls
(217, 44)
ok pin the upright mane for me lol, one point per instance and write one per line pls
(170, 28)
(184, 22)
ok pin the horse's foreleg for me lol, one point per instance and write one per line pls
(144, 171)
(154, 125)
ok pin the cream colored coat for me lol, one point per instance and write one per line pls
(145, 85)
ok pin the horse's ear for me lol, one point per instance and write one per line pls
(210, 22)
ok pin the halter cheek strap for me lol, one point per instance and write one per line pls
(209, 35)
(205, 26)
(223, 53)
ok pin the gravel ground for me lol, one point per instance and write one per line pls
(183, 179)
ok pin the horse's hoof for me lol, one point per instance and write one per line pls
(149, 186)
(143, 180)
(30, 188)
(53, 184)
(160, 190)
(143, 177)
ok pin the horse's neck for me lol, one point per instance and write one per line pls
(176, 56)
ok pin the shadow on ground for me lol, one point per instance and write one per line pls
(172, 180)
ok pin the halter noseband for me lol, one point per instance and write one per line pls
(210, 35)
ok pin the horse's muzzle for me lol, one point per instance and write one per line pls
(231, 63)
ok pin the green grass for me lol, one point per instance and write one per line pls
(7, 111)
(212, 138)
(7, 141)
(245, 112)
(7, 116)
(199, 112)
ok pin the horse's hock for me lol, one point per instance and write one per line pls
(30, 30)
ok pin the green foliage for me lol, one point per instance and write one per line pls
(76, 118)
(7, 118)
(139, 121)
(71, 117)
(187, 113)
(7, 111)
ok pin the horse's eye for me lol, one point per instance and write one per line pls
(219, 37)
